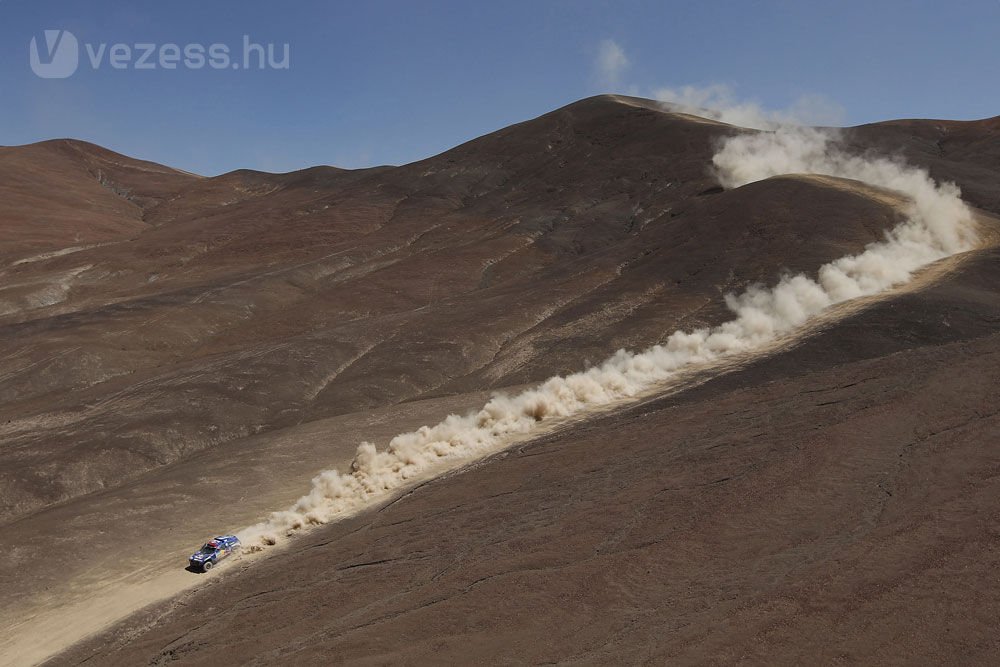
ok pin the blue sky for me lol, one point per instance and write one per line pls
(391, 82)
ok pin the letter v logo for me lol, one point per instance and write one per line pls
(58, 57)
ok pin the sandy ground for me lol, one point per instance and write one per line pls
(323, 307)
(140, 560)
(834, 503)
(127, 547)
(76, 567)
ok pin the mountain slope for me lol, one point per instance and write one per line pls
(253, 302)
(764, 516)
(63, 194)
(965, 152)
(216, 342)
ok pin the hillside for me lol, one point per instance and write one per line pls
(253, 302)
(181, 355)
(768, 515)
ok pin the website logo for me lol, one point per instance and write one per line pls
(58, 57)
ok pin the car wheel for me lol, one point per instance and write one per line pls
(207, 565)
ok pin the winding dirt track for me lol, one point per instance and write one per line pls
(206, 345)
(233, 487)
(833, 500)
(84, 564)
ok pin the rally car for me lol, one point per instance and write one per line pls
(213, 551)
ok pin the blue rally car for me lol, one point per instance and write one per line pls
(213, 551)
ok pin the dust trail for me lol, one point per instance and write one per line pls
(938, 224)
(719, 102)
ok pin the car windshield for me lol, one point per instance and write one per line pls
(207, 549)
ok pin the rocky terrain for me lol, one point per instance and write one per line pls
(180, 354)
(837, 503)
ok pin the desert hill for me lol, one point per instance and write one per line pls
(181, 354)
(251, 302)
(835, 502)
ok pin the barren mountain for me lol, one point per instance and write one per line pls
(251, 302)
(180, 354)
(835, 503)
